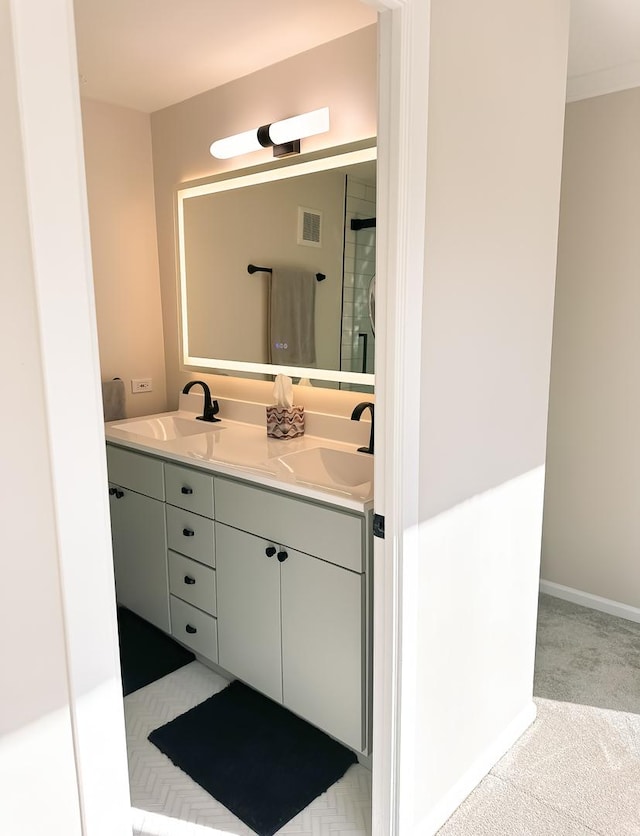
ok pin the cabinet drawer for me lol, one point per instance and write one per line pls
(190, 534)
(139, 473)
(189, 489)
(193, 582)
(335, 536)
(194, 628)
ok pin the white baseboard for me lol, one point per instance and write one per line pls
(476, 772)
(594, 602)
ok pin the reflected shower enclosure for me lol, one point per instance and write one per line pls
(357, 348)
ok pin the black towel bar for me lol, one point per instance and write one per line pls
(252, 268)
(362, 223)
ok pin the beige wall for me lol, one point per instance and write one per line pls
(591, 524)
(496, 109)
(117, 145)
(341, 75)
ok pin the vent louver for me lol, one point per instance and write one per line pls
(309, 227)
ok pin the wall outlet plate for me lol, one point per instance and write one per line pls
(142, 384)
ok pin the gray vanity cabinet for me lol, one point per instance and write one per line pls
(267, 585)
(136, 497)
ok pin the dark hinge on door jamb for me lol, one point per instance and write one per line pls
(378, 526)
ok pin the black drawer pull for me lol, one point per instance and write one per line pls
(187, 490)
(270, 551)
(188, 532)
(112, 491)
(282, 556)
(119, 494)
(189, 580)
(190, 629)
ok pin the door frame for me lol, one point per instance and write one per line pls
(46, 59)
(403, 87)
(42, 32)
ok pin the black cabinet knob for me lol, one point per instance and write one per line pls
(187, 490)
(112, 491)
(270, 551)
(189, 580)
(191, 629)
(188, 532)
(282, 556)
(119, 494)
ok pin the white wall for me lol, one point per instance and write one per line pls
(496, 107)
(62, 756)
(36, 743)
(591, 522)
(340, 75)
(117, 147)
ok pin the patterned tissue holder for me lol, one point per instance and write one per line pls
(285, 423)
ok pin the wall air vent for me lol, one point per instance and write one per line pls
(309, 227)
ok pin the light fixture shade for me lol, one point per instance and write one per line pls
(234, 146)
(286, 132)
(299, 127)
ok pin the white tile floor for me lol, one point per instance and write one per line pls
(575, 772)
(166, 802)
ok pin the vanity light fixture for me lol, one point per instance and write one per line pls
(283, 136)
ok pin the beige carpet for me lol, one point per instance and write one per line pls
(577, 768)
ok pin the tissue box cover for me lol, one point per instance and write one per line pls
(285, 423)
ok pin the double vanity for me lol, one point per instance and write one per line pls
(253, 552)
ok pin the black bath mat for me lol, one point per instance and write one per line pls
(255, 757)
(146, 653)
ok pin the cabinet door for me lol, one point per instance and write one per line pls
(323, 646)
(248, 591)
(140, 556)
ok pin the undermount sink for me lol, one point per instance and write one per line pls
(329, 467)
(167, 427)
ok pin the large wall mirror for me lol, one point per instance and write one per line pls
(309, 309)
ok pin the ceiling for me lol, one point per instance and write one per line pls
(604, 47)
(148, 54)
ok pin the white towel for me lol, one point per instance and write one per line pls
(113, 399)
(292, 335)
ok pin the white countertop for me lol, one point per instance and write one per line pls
(243, 450)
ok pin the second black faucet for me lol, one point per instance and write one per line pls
(211, 408)
(355, 416)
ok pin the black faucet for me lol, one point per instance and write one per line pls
(211, 408)
(355, 416)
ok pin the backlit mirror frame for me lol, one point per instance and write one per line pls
(312, 163)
